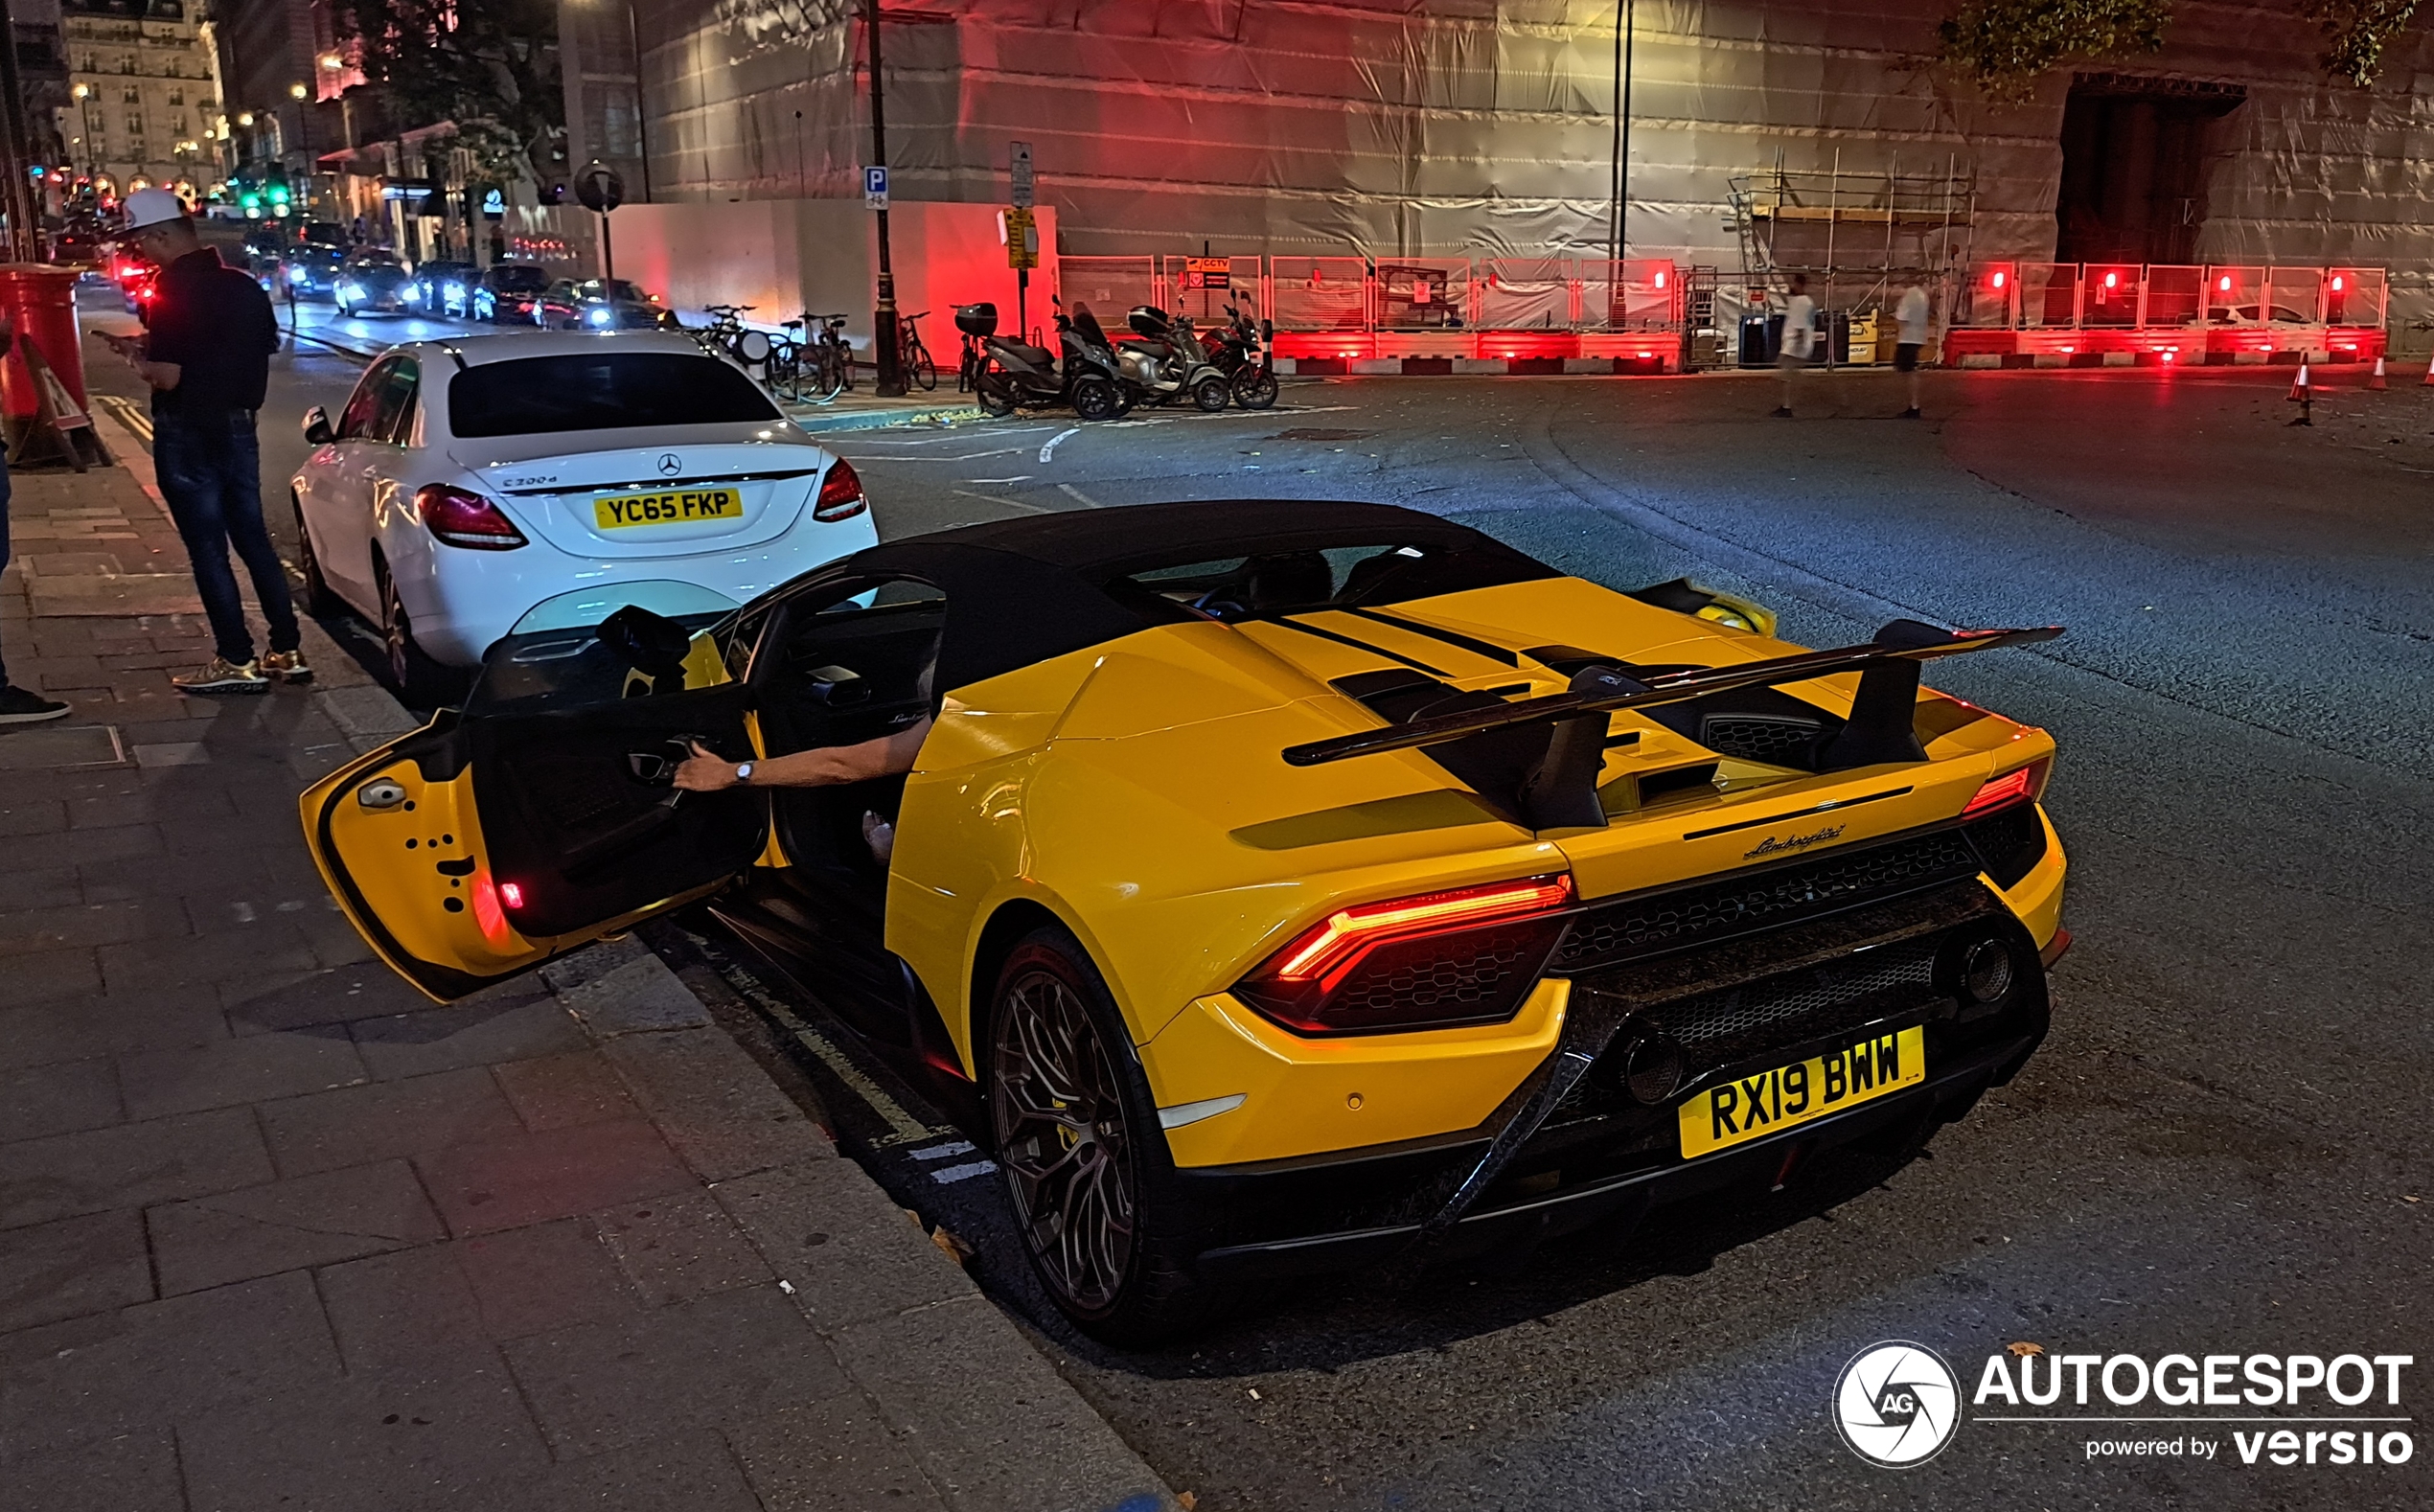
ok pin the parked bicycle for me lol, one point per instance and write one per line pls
(918, 368)
(825, 364)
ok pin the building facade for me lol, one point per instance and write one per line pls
(145, 95)
(1495, 129)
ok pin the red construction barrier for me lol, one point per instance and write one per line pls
(41, 304)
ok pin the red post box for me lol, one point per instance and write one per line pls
(40, 303)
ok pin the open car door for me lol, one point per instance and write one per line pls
(544, 815)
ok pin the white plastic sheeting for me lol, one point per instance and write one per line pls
(1402, 129)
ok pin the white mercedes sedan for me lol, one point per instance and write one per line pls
(469, 478)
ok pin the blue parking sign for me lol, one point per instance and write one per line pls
(875, 188)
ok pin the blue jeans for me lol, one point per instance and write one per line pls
(210, 471)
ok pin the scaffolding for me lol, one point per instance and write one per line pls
(1860, 237)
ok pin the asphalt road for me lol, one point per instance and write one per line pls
(2222, 1149)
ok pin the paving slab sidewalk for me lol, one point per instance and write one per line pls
(277, 1231)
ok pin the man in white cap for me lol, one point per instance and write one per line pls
(207, 358)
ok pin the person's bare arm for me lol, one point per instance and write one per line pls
(822, 766)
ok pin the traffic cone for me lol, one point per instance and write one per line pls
(2429, 374)
(2298, 385)
(2375, 382)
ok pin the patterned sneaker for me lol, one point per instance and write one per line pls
(223, 676)
(285, 666)
(18, 706)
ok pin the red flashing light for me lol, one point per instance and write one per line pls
(2112, 280)
(463, 518)
(841, 493)
(511, 894)
(2337, 282)
(2167, 357)
(2001, 792)
(2225, 285)
(1661, 279)
(1997, 280)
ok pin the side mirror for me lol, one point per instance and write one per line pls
(316, 427)
(839, 687)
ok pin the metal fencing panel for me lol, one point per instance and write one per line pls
(2355, 296)
(2049, 295)
(1318, 293)
(1423, 293)
(2174, 296)
(2110, 295)
(1110, 286)
(1526, 294)
(2235, 296)
(1203, 286)
(2295, 295)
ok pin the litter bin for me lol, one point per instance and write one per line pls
(40, 303)
(1760, 337)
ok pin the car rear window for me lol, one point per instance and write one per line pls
(601, 391)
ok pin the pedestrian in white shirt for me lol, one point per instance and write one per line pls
(1910, 317)
(1799, 334)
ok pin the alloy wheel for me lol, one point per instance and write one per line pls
(1063, 1141)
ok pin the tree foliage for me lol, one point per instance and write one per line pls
(491, 66)
(2354, 34)
(2005, 46)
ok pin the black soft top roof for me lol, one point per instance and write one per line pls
(1020, 591)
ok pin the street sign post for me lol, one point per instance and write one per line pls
(1023, 254)
(874, 189)
(1024, 184)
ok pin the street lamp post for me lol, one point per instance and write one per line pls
(303, 98)
(1626, 19)
(891, 369)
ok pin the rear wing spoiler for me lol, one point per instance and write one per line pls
(1562, 790)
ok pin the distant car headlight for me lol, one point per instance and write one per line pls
(602, 317)
(414, 292)
(297, 275)
(455, 291)
(351, 290)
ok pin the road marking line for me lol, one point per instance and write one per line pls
(1049, 451)
(962, 1173)
(1021, 477)
(968, 456)
(992, 498)
(1085, 500)
(939, 1152)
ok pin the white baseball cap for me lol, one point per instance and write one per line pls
(153, 207)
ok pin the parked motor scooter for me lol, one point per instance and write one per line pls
(1245, 354)
(1015, 374)
(1168, 359)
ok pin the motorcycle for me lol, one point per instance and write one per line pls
(1245, 354)
(1168, 359)
(1014, 373)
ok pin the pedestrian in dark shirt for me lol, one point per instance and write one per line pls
(207, 358)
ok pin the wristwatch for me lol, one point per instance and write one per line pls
(744, 771)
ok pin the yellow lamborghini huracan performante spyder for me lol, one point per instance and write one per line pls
(1283, 885)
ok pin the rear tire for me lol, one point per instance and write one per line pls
(1255, 388)
(1096, 398)
(319, 601)
(995, 393)
(1211, 393)
(419, 681)
(1095, 1191)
